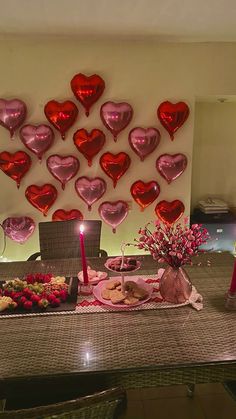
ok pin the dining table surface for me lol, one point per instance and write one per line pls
(130, 348)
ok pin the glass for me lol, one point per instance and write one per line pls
(175, 285)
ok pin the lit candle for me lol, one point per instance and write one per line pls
(232, 289)
(82, 250)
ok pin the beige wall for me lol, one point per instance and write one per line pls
(141, 73)
(214, 151)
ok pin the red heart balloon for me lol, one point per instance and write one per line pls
(145, 193)
(89, 144)
(172, 116)
(41, 197)
(63, 215)
(87, 89)
(115, 165)
(15, 165)
(169, 212)
(61, 115)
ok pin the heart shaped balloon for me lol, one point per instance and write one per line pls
(145, 193)
(172, 116)
(63, 215)
(61, 115)
(144, 141)
(115, 165)
(12, 114)
(169, 212)
(63, 168)
(89, 144)
(37, 139)
(116, 116)
(113, 213)
(41, 197)
(87, 89)
(172, 166)
(15, 165)
(18, 229)
(90, 189)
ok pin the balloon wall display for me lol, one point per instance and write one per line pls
(113, 213)
(63, 215)
(12, 114)
(169, 212)
(144, 141)
(18, 229)
(115, 165)
(63, 168)
(116, 116)
(172, 166)
(41, 197)
(90, 189)
(145, 193)
(89, 144)
(37, 139)
(61, 115)
(87, 89)
(172, 116)
(15, 165)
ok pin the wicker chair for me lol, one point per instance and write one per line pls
(105, 405)
(60, 239)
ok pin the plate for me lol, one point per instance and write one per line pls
(120, 272)
(98, 289)
(95, 280)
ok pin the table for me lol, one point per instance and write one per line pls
(133, 349)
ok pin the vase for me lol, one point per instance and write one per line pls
(175, 285)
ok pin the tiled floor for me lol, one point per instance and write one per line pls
(211, 401)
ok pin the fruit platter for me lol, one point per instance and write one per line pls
(37, 293)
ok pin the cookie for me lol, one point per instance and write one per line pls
(116, 296)
(130, 300)
(112, 284)
(105, 294)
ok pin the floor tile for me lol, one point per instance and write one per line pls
(163, 392)
(178, 408)
(220, 406)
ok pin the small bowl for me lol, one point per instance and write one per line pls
(96, 279)
(138, 265)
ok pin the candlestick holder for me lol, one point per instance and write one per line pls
(230, 302)
(85, 289)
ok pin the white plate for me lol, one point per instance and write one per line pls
(96, 279)
(120, 272)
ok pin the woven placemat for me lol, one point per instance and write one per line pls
(89, 304)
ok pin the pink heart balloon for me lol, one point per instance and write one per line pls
(144, 141)
(12, 114)
(113, 213)
(90, 189)
(116, 116)
(63, 168)
(37, 139)
(18, 229)
(170, 166)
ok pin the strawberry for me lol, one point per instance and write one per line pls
(51, 297)
(43, 303)
(63, 295)
(35, 298)
(22, 300)
(28, 305)
(55, 303)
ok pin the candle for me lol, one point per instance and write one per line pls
(82, 250)
(232, 289)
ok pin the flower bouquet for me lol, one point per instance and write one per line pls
(174, 245)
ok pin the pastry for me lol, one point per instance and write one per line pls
(105, 294)
(112, 284)
(116, 296)
(130, 300)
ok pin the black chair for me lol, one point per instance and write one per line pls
(60, 239)
(105, 405)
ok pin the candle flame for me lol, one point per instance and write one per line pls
(81, 229)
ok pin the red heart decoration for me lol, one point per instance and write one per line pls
(172, 116)
(169, 212)
(61, 115)
(115, 165)
(172, 166)
(145, 193)
(113, 213)
(87, 89)
(41, 197)
(63, 215)
(89, 144)
(15, 165)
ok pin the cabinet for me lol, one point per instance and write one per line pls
(222, 230)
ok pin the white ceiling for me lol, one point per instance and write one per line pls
(163, 20)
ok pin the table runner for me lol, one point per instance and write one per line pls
(89, 304)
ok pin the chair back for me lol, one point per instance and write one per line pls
(60, 239)
(105, 405)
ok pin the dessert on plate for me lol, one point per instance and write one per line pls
(129, 264)
(132, 293)
(93, 276)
